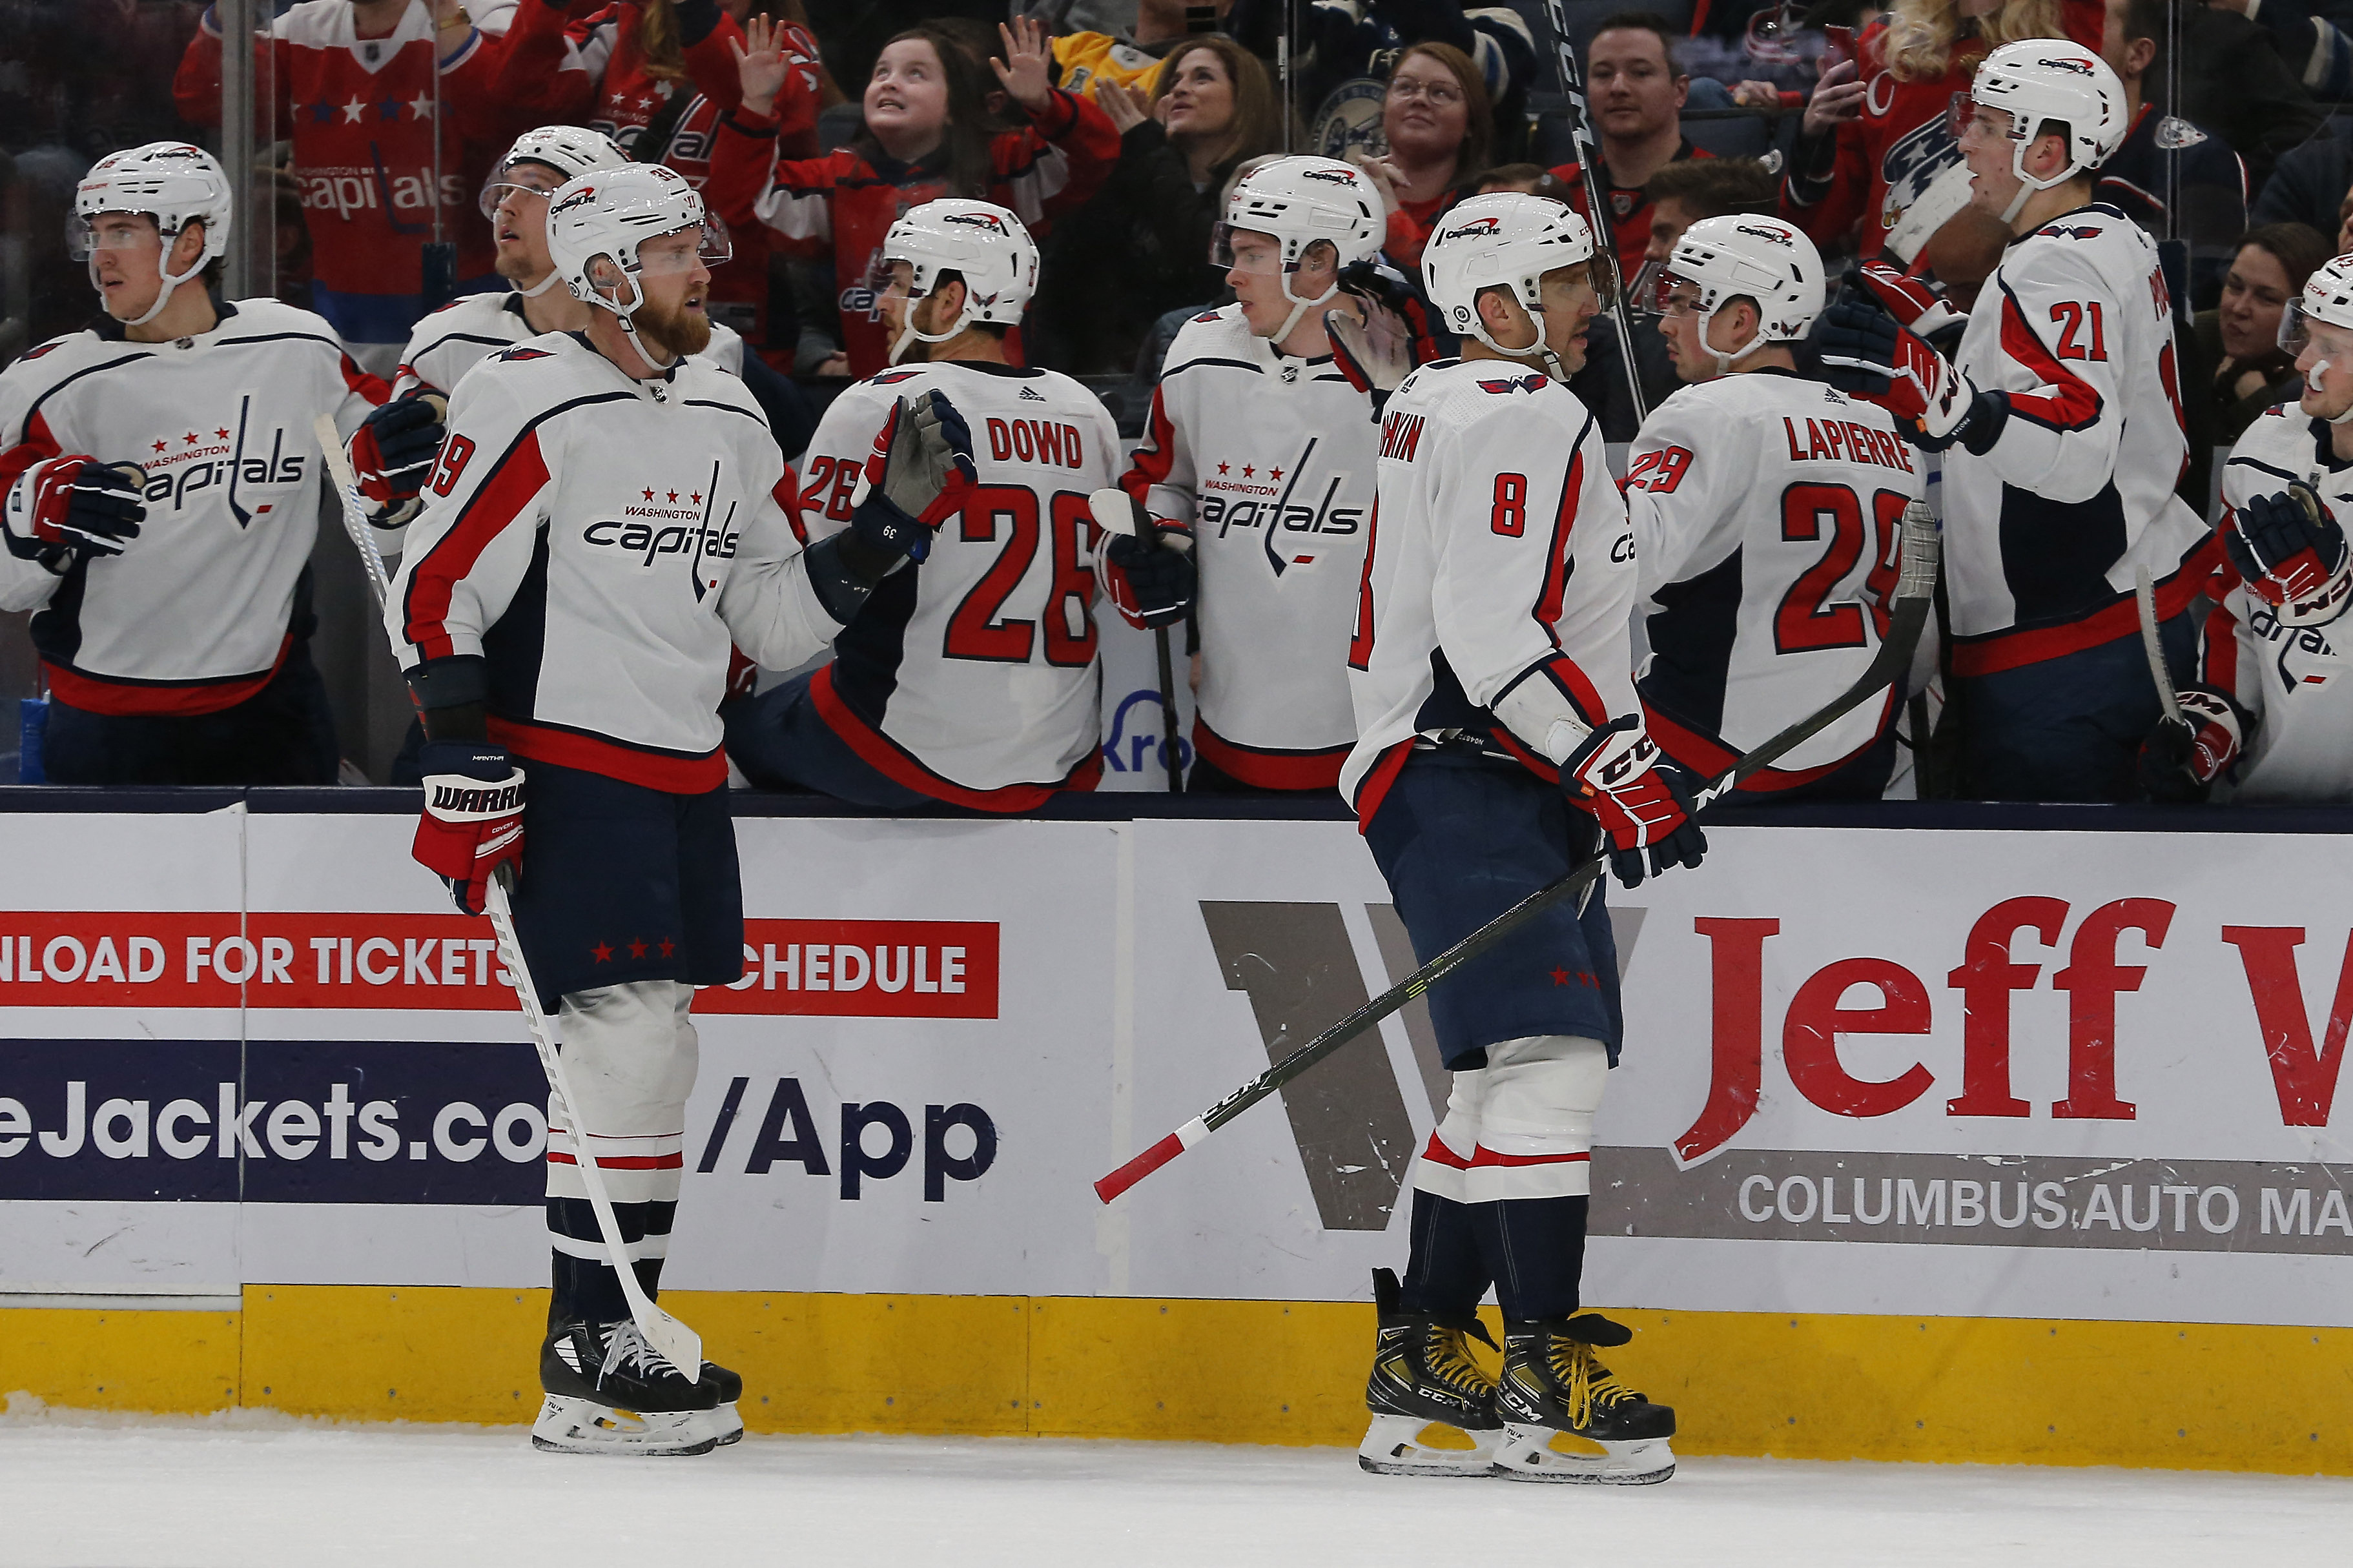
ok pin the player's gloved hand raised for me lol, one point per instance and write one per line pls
(1865, 353)
(2179, 762)
(1639, 798)
(1918, 304)
(1377, 350)
(74, 506)
(1151, 581)
(473, 817)
(393, 452)
(2291, 554)
(916, 478)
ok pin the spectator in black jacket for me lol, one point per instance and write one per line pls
(2234, 83)
(2310, 183)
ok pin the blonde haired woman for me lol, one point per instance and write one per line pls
(1876, 136)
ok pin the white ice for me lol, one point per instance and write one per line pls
(257, 1492)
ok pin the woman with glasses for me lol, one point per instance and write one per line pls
(1439, 126)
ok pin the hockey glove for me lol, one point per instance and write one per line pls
(393, 452)
(2291, 554)
(1918, 304)
(74, 506)
(1151, 582)
(1865, 353)
(1639, 798)
(2179, 762)
(916, 478)
(473, 817)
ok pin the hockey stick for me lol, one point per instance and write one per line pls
(1914, 589)
(680, 1345)
(2145, 602)
(1597, 205)
(1115, 511)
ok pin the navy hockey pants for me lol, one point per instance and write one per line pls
(282, 734)
(2068, 729)
(780, 741)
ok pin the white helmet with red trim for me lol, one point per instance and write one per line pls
(2039, 80)
(606, 215)
(1745, 257)
(982, 244)
(2328, 299)
(174, 182)
(1299, 202)
(1507, 240)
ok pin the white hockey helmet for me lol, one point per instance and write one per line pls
(609, 212)
(569, 150)
(1746, 256)
(1297, 201)
(1507, 240)
(982, 244)
(2038, 80)
(2327, 298)
(174, 182)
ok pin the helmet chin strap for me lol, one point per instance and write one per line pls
(542, 285)
(163, 295)
(1725, 362)
(1299, 307)
(911, 334)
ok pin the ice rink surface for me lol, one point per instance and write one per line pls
(255, 1492)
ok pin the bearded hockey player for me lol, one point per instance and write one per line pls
(161, 485)
(1258, 453)
(2271, 713)
(608, 513)
(1766, 509)
(1499, 744)
(971, 677)
(2060, 422)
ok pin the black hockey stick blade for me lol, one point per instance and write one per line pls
(1914, 590)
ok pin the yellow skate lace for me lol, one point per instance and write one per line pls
(1586, 1384)
(1448, 1361)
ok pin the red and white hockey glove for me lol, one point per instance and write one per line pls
(2180, 762)
(916, 476)
(74, 505)
(1918, 304)
(392, 452)
(473, 817)
(1865, 353)
(2291, 554)
(1620, 776)
(1151, 581)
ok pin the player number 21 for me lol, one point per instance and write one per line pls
(2072, 319)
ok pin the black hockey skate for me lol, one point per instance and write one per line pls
(1553, 1383)
(608, 1392)
(1423, 1375)
(729, 1385)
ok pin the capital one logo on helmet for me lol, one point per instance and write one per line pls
(2081, 68)
(584, 196)
(1477, 228)
(1331, 176)
(988, 221)
(1776, 235)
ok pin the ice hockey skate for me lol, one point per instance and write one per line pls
(1553, 1385)
(729, 1386)
(608, 1392)
(1423, 1376)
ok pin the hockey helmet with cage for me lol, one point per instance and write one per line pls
(2328, 299)
(1746, 256)
(1508, 241)
(607, 214)
(1297, 202)
(567, 151)
(982, 244)
(174, 183)
(2036, 82)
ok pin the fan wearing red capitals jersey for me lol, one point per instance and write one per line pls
(2059, 419)
(159, 496)
(607, 516)
(1259, 449)
(1765, 508)
(1498, 742)
(972, 676)
(378, 98)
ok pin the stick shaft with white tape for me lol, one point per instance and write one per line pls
(2145, 601)
(347, 495)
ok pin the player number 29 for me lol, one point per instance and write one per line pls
(1510, 515)
(456, 452)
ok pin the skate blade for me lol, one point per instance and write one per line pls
(730, 1426)
(570, 1425)
(1393, 1445)
(1526, 1453)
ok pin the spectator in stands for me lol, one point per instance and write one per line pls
(2211, 180)
(1083, 62)
(1637, 86)
(2239, 338)
(1141, 248)
(2234, 82)
(926, 135)
(2314, 39)
(1343, 51)
(1876, 137)
(357, 88)
(1683, 192)
(1436, 118)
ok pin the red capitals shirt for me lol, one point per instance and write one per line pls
(843, 206)
(1630, 209)
(359, 113)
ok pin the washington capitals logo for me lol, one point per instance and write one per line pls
(1513, 383)
(2066, 231)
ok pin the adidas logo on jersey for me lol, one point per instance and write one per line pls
(1032, 394)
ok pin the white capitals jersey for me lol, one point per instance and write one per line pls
(2296, 681)
(1499, 554)
(1768, 512)
(196, 612)
(972, 676)
(462, 334)
(1270, 458)
(2043, 532)
(586, 550)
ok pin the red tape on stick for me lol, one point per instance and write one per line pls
(1142, 1165)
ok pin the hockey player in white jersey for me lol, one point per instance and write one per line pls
(971, 677)
(161, 485)
(1765, 508)
(1259, 451)
(2272, 711)
(2059, 420)
(608, 513)
(1500, 743)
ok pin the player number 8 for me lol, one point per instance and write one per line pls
(1510, 514)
